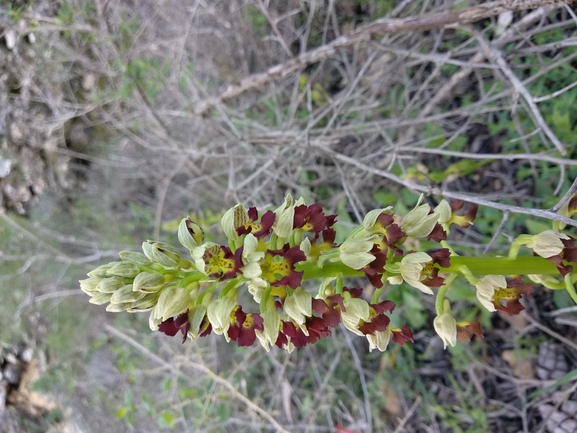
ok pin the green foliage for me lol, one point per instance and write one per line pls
(65, 13)
(257, 19)
(145, 74)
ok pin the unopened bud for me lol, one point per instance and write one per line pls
(190, 234)
(172, 302)
(101, 270)
(148, 282)
(161, 253)
(90, 285)
(123, 269)
(146, 303)
(100, 298)
(134, 257)
(126, 295)
(110, 284)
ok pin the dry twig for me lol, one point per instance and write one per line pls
(381, 26)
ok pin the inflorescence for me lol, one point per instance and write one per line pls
(272, 255)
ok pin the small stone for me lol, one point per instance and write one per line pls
(11, 358)
(5, 167)
(88, 81)
(16, 133)
(12, 374)
(10, 38)
(26, 355)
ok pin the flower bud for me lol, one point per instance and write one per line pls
(126, 295)
(90, 285)
(100, 298)
(123, 269)
(147, 302)
(148, 282)
(110, 284)
(117, 308)
(190, 235)
(134, 257)
(101, 270)
(161, 253)
(172, 302)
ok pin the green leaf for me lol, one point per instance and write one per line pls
(122, 412)
(166, 420)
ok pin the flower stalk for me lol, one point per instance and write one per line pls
(287, 260)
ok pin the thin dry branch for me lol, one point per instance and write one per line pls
(429, 189)
(496, 56)
(381, 26)
(444, 92)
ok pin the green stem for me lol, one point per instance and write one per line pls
(503, 266)
(477, 265)
(439, 302)
(570, 288)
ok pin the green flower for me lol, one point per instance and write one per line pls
(548, 243)
(380, 340)
(486, 288)
(219, 314)
(356, 310)
(446, 327)
(298, 307)
(419, 222)
(354, 252)
(411, 269)
(271, 329)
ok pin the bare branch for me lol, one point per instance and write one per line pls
(429, 189)
(497, 57)
(381, 26)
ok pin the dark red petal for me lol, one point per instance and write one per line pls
(456, 205)
(438, 234)
(442, 257)
(394, 234)
(384, 306)
(402, 335)
(252, 214)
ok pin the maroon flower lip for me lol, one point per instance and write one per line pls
(259, 230)
(281, 263)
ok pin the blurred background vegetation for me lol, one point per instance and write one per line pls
(112, 129)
